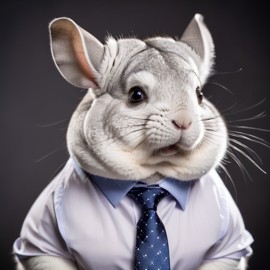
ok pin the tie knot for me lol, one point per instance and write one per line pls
(147, 197)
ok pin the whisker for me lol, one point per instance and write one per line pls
(230, 178)
(49, 154)
(228, 72)
(247, 157)
(250, 137)
(220, 85)
(132, 132)
(252, 152)
(52, 124)
(251, 128)
(115, 139)
(211, 118)
(256, 117)
(212, 138)
(141, 144)
(239, 109)
(229, 109)
(240, 165)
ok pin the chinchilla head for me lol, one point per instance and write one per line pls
(144, 113)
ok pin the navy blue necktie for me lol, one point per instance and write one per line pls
(152, 251)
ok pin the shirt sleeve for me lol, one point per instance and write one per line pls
(235, 239)
(40, 234)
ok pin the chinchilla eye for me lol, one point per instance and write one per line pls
(199, 94)
(136, 95)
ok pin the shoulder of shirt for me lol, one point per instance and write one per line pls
(71, 173)
(64, 182)
(67, 177)
(210, 180)
(212, 185)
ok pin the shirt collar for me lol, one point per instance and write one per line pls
(115, 190)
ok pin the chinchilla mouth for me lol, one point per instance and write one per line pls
(167, 151)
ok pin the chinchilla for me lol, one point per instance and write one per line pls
(144, 116)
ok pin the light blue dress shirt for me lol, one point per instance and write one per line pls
(94, 222)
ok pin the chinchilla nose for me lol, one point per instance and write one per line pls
(182, 120)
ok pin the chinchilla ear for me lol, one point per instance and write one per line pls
(76, 53)
(198, 37)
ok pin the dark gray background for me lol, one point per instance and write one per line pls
(36, 103)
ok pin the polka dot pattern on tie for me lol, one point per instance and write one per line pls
(152, 251)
